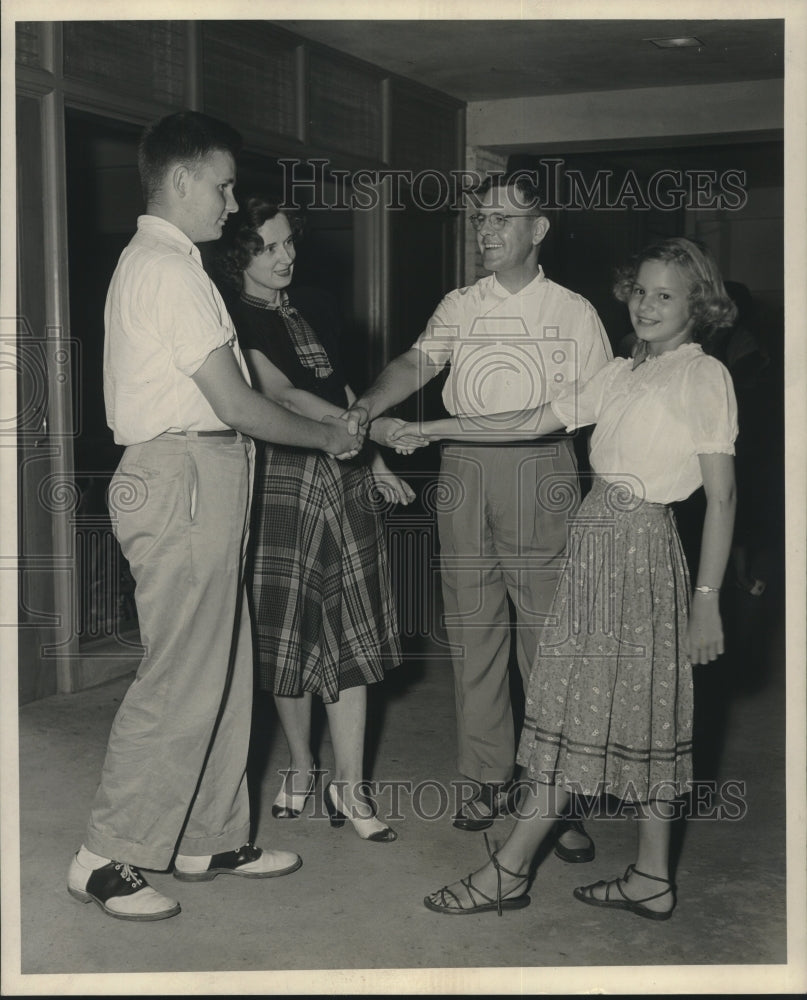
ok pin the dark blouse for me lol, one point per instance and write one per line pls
(264, 330)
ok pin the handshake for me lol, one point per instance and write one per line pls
(352, 426)
(398, 434)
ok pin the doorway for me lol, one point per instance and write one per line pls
(104, 201)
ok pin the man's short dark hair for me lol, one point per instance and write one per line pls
(522, 184)
(186, 137)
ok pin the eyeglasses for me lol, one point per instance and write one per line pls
(496, 219)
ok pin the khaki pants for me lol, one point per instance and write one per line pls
(502, 524)
(174, 774)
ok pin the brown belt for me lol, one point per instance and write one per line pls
(205, 434)
(536, 442)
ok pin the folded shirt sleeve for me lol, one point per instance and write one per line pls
(593, 344)
(190, 311)
(441, 336)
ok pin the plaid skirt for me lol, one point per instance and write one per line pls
(323, 608)
(610, 700)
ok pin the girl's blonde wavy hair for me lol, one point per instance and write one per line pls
(710, 305)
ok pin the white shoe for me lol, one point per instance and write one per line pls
(248, 861)
(289, 805)
(120, 890)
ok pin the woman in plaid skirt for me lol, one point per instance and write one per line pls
(322, 602)
(609, 707)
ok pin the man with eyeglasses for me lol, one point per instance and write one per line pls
(512, 340)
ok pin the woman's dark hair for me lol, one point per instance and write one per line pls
(710, 305)
(242, 241)
(185, 137)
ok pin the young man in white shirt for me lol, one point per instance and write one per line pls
(177, 394)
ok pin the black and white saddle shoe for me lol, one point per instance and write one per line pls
(248, 862)
(120, 890)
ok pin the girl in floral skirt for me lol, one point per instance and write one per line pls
(609, 707)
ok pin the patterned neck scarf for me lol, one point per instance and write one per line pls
(303, 339)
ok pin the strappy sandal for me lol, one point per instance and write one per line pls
(450, 903)
(585, 893)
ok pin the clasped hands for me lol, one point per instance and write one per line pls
(351, 432)
(391, 432)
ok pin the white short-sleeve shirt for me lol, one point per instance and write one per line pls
(163, 317)
(653, 421)
(512, 351)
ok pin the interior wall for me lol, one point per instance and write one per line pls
(749, 243)
(655, 113)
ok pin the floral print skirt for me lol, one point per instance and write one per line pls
(609, 704)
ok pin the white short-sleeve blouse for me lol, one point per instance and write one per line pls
(653, 421)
